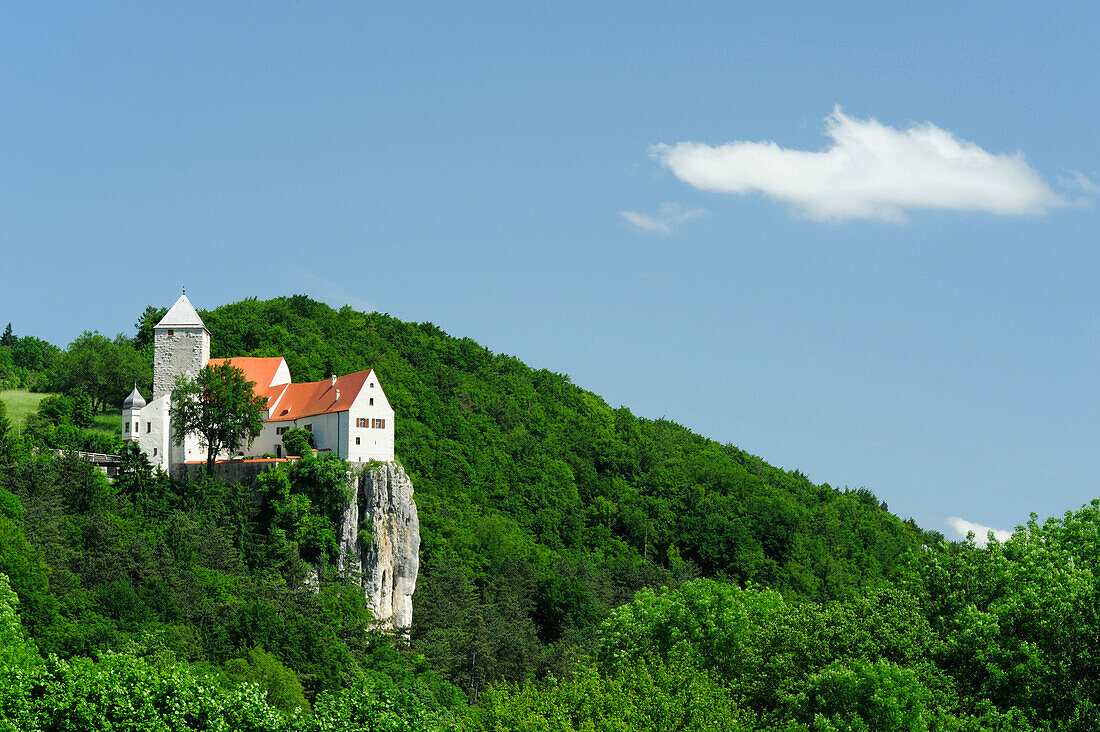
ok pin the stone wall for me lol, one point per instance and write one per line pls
(233, 471)
(187, 349)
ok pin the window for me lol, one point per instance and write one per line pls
(278, 451)
(356, 440)
(148, 427)
(361, 422)
(279, 431)
(378, 423)
(135, 427)
(308, 428)
(372, 385)
(372, 401)
(154, 452)
(171, 332)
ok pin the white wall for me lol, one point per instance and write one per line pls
(327, 429)
(190, 451)
(267, 441)
(374, 443)
(282, 374)
(152, 435)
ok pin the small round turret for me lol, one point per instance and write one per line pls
(135, 400)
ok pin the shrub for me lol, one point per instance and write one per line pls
(298, 442)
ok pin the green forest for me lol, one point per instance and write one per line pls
(582, 568)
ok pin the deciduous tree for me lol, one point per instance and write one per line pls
(146, 325)
(103, 369)
(7, 438)
(219, 407)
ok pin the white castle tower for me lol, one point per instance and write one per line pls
(181, 346)
(131, 415)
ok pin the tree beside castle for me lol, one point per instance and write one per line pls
(220, 407)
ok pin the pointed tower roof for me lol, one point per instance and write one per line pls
(135, 400)
(181, 315)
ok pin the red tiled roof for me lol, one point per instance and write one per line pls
(260, 370)
(319, 397)
(294, 401)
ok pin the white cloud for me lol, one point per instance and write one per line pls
(645, 222)
(981, 533)
(870, 171)
(1078, 182)
(669, 217)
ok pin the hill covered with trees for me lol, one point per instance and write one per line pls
(543, 507)
(550, 524)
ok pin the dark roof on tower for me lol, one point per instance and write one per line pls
(135, 400)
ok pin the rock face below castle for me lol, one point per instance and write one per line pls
(380, 542)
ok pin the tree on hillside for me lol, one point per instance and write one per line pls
(9, 375)
(7, 438)
(34, 354)
(8, 339)
(146, 324)
(219, 407)
(103, 369)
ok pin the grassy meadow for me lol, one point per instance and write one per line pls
(20, 403)
(108, 423)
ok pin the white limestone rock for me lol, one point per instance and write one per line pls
(380, 542)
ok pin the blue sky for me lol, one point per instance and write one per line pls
(909, 306)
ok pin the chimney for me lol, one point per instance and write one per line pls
(334, 379)
(337, 395)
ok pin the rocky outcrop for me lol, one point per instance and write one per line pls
(380, 542)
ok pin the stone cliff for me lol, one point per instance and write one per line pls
(380, 542)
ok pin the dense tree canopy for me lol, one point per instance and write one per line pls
(581, 568)
(101, 368)
(25, 362)
(524, 476)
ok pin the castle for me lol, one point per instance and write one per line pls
(348, 415)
